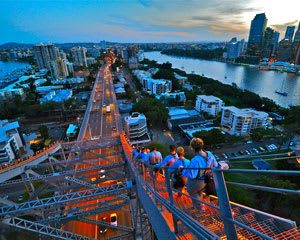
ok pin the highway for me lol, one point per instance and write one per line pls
(100, 125)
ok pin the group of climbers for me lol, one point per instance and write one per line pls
(194, 173)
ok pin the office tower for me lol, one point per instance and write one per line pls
(285, 45)
(103, 44)
(296, 47)
(234, 49)
(234, 39)
(256, 35)
(275, 40)
(79, 55)
(284, 50)
(268, 43)
(289, 32)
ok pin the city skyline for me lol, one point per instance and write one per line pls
(28, 21)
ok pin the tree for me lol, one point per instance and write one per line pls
(213, 136)
(44, 131)
(256, 134)
(155, 112)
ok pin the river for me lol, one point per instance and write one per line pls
(264, 83)
(8, 67)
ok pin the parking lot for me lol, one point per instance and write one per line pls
(247, 149)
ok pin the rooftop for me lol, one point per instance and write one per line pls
(246, 112)
(5, 126)
(209, 98)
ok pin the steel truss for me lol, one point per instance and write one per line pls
(106, 224)
(73, 160)
(103, 207)
(74, 209)
(86, 194)
(61, 174)
(43, 229)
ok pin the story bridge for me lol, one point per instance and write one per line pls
(72, 186)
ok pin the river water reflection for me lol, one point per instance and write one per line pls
(264, 83)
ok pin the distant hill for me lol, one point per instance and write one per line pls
(66, 45)
(14, 44)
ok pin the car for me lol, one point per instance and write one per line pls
(249, 142)
(270, 147)
(247, 152)
(102, 173)
(274, 146)
(98, 99)
(255, 150)
(104, 105)
(230, 155)
(113, 219)
(224, 155)
(94, 101)
(262, 149)
(217, 157)
(114, 128)
(103, 229)
(242, 152)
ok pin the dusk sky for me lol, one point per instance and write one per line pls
(33, 21)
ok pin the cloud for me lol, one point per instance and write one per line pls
(179, 34)
(235, 8)
(281, 27)
(145, 3)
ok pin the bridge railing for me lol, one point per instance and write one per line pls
(222, 217)
(17, 162)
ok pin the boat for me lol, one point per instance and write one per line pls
(281, 93)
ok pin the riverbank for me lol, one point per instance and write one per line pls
(231, 95)
(263, 83)
(12, 71)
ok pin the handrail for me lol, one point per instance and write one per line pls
(19, 162)
(269, 189)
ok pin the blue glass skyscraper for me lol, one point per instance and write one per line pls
(256, 35)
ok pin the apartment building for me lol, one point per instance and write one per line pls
(136, 128)
(209, 104)
(241, 122)
(10, 141)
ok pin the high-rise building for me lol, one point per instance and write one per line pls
(103, 44)
(79, 55)
(296, 47)
(49, 57)
(289, 34)
(61, 67)
(284, 50)
(234, 39)
(285, 45)
(268, 43)
(275, 40)
(256, 35)
(234, 49)
(44, 54)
